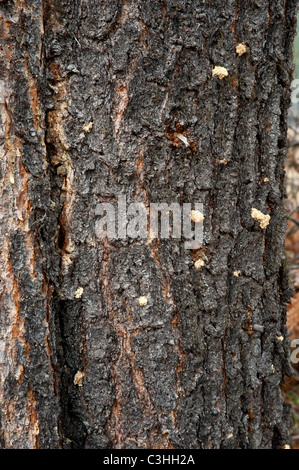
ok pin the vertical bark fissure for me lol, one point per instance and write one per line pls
(68, 320)
(29, 420)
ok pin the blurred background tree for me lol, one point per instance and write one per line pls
(296, 52)
(292, 243)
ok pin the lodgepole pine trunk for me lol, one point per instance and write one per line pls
(93, 95)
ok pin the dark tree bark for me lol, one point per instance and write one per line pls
(93, 95)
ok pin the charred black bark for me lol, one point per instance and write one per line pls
(94, 97)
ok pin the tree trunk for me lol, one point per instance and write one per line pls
(122, 97)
